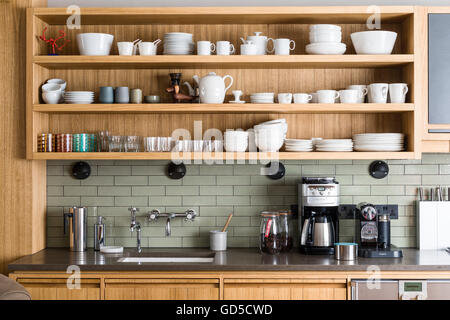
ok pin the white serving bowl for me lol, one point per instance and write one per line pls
(52, 97)
(326, 48)
(94, 44)
(236, 141)
(324, 27)
(325, 36)
(374, 42)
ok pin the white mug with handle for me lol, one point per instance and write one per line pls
(281, 46)
(224, 48)
(397, 92)
(327, 96)
(378, 92)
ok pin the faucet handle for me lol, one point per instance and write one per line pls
(190, 215)
(153, 215)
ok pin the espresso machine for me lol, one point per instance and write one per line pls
(373, 233)
(319, 216)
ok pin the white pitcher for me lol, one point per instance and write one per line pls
(212, 88)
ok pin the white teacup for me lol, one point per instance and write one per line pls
(302, 98)
(285, 98)
(224, 48)
(397, 92)
(125, 48)
(349, 96)
(327, 96)
(378, 92)
(362, 91)
(248, 49)
(148, 48)
(282, 46)
(205, 48)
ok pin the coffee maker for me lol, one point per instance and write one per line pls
(319, 218)
(373, 233)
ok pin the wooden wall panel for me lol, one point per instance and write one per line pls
(22, 182)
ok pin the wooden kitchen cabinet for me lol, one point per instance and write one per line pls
(161, 289)
(284, 289)
(56, 289)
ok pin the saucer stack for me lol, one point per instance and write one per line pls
(178, 43)
(335, 145)
(298, 145)
(263, 97)
(325, 39)
(379, 142)
(79, 97)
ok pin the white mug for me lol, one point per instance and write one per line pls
(285, 98)
(378, 92)
(349, 96)
(224, 48)
(282, 46)
(397, 92)
(302, 98)
(148, 48)
(327, 96)
(248, 49)
(205, 48)
(125, 48)
(362, 91)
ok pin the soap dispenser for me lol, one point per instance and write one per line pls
(99, 233)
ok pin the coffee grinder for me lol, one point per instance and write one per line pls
(373, 233)
(319, 217)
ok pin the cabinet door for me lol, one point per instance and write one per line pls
(56, 289)
(283, 289)
(161, 289)
(438, 68)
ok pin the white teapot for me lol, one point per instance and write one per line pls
(212, 88)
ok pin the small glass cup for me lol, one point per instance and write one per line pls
(132, 143)
(115, 143)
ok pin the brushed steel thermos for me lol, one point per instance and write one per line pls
(75, 224)
(384, 231)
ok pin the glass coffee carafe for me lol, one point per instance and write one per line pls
(287, 240)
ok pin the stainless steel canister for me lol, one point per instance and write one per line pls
(346, 251)
(75, 224)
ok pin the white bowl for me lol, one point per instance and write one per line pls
(325, 36)
(324, 27)
(61, 82)
(51, 87)
(52, 97)
(374, 42)
(236, 141)
(269, 140)
(326, 48)
(94, 44)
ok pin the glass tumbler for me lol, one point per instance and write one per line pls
(115, 143)
(132, 143)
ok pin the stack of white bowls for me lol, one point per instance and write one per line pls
(270, 135)
(235, 141)
(53, 91)
(325, 39)
(178, 43)
(379, 142)
(298, 145)
(334, 145)
(263, 97)
(79, 97)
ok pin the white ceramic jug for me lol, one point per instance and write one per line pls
(212, 88)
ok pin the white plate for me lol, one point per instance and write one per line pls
(380, 148)
(237, 102)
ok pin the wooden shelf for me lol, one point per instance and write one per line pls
(223, 156)
(224, 15)
(234, 61)
(224, 108)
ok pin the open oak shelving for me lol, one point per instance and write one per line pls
(298, 72)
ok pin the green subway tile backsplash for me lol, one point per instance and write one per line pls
(216, 190)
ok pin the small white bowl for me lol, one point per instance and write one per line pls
(51, 87)
(325, 36)
(236, 141)
(52, 97)
(61, 82)
(374, 42)
(326, 48)
(324, 27)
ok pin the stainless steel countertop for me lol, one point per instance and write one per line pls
(233, 259)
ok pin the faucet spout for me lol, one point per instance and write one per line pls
(168, 230)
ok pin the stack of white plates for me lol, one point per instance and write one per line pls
(325, 39)
(79, 97)
(263, 97)
(178, 43)
(298, 145)
(379, 142)
(335, 145)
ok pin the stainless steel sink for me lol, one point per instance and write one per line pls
(166, 259)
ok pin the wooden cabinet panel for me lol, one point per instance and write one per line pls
(161, 289)
(285, 291)
(56, 289)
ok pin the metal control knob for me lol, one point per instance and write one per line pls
(153, 215)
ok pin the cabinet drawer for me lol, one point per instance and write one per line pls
(56, 289)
